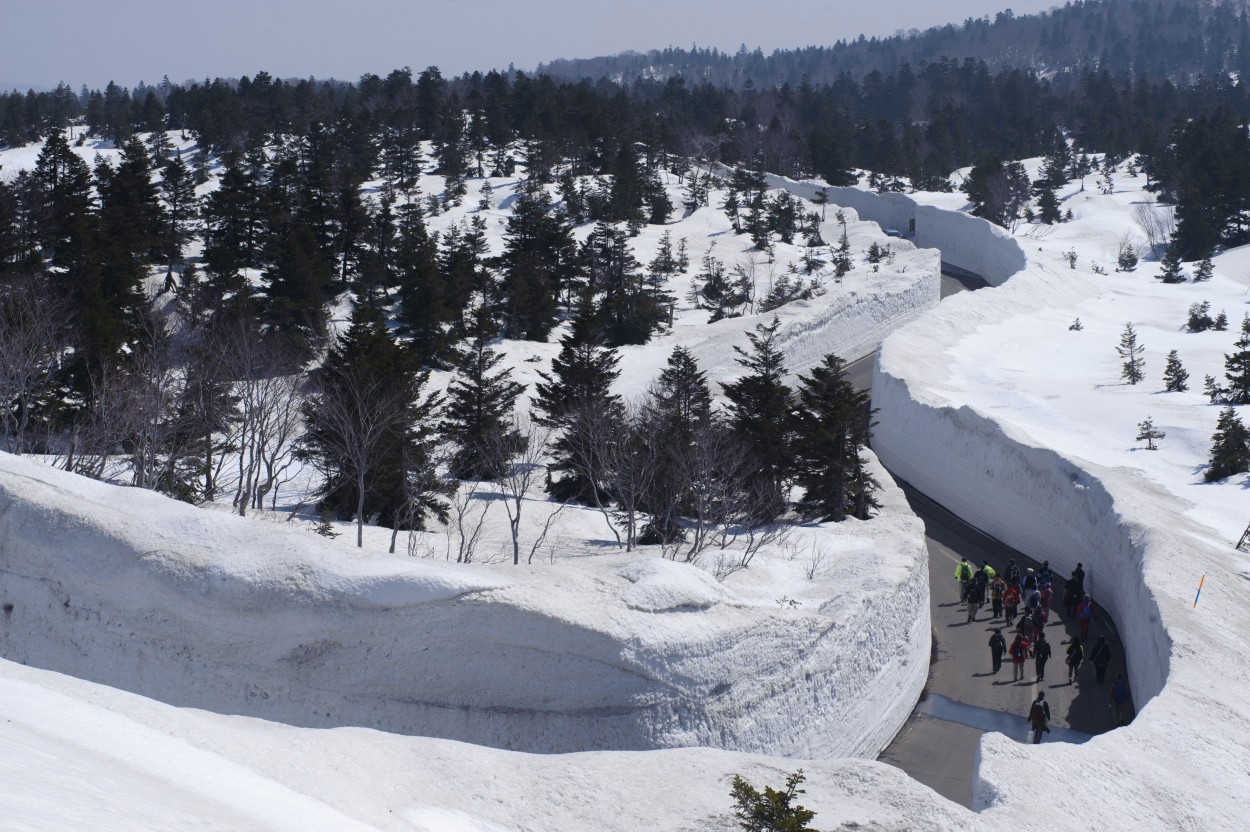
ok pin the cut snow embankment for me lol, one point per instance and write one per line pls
(194, 608)
(957, 436)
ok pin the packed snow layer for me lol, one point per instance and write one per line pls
(81, 755)
(194, 608)
(981, 405)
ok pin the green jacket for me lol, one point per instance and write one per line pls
(963, 571)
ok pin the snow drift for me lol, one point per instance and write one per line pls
(195, 608)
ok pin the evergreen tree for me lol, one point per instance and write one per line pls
(1048, 207)
(1212, 390)
(1133, 368)
(576, 398)
(1230, 447)
(772, 811)
(1126, 260)
(130, 210)
(424, 311)
(761, 417)
(1171, 271)
(297, 286)
(1146, 430)
(1220, 324)
(180, 212)
(1237, 367)
(478, 413)
(368, 431)
(1175, 376)
(628, 311)
(831, 432)
(539, 261)
(1205, 269)
(1199, 317)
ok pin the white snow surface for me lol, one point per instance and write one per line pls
(994, 408)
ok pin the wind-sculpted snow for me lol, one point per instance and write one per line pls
(194, 608)
(1182, 759)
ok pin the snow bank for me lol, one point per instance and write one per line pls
(1182, 761)
(194, 608)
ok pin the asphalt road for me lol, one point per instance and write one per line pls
(963, 699)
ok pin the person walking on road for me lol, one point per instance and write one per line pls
(963, 576)
(1073, 589)
(1011, 602)
(1045, 575)
(1119, 699)
(1047, 594)
(1013, 572)
(998, 646)
(990, 572)
(1084, 615)
(997, 587)
(1041, 654)
(974, 603)
(1100, 655)
(1019, 652)
(1039, 717)
(1079, 574)
(1076, 655)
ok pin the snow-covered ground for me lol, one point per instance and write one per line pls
(996, 408)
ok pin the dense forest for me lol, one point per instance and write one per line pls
(244, 365)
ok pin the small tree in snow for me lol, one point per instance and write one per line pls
(1237, 367)
(1134, 366)
(772, 811)
(1126, 261)
(1070, 257)
(1171, 271)
(1230, 447)
(1175, 376)
(1220, 324)
(1146, 430)
(1199, 317)
(1213, 391)
(1205, 270)
(1076, 326)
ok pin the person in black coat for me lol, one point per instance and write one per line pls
(1073, 589)
(1039, 717)
(1101, 657)
(1041, 654)
(1076, 655)
(998, 646)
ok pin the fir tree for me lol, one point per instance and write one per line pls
(1212, 390)
(1133, 368)
(831, 432)
(478, 413)
(1230, 447)
(1199, 317)
(1205, 270)
(1220, 324)
(629, 313)
(1175, 376)
(576, 398)
(1146, 430)
(539, 260)
(760, 413)
(180, 212)
(1237, 367)
(1171, 271)
(368, 431)
(1126, 260)
(772, 811)
(1048, 207)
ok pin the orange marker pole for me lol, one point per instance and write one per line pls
(1200, 583)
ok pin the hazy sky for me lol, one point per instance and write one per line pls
(88, 41)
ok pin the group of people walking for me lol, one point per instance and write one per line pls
(1029, 595)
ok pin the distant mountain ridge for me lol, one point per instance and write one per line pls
(1178, 40)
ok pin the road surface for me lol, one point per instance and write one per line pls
(963, 699)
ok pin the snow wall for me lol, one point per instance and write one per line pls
(197, 608)
(965, 241)
(1188, 671)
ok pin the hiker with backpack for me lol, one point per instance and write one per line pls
(1019, 652)
(1073, 589)
(1012, 572)
(1039, 717)
(974, 601)
(1100, 655)
(998, 646)
(1047, 594)
(997, 587)
(1045, 575)
(1076, 655)
(1084, 615)
(963, 576)
(1119, 699)
(1011, 602)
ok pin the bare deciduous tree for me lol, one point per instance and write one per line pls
(1157, 221)
(33, 340)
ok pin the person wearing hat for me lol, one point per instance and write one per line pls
(998, 646)
(1039, 717)
(1084, 615)
(1019, 652)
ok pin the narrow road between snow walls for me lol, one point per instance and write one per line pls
(964, 699)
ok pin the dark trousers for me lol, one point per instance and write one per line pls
(1041, 668)
(1011, 615)
(998, 606)
(1101, 670)
(997, 658)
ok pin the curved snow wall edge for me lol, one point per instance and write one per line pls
(122, 587)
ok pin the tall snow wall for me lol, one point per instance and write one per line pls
(1188, 671)
(195, 608)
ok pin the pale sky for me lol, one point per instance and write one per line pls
(95, 41)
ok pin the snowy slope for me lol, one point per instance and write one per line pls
(992, 406)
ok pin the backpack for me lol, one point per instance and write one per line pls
(963, 572)
(1037, 713)
(1086, 611)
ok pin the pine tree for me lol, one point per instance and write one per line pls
(1146, 430)
(1220, 324)
(1230, 447)
(760, 414)
(629, 312)
(576, 398)
(1205, 270)
(1171, 271)
(1126, 261)
(368, 431)
(425, 310)
(1199, 317)
(478, 413)
(1133, 368)
(539, 260)
(1175, 376)
(1048, 207)
(181, 208)
(1237, 367)
(831, 432)
(1212, 390)
(772, 811)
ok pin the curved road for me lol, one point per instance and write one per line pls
(963, 699)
